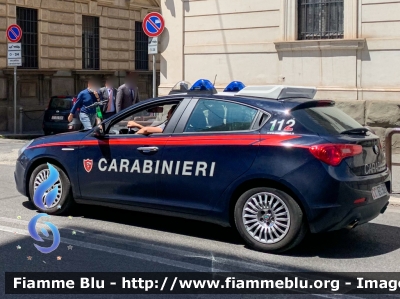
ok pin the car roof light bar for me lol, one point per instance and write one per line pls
(278, 92)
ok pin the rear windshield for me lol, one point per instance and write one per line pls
(61, 103)
(325, 120)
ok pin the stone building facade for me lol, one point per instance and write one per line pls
(60, 68)
(263, 42)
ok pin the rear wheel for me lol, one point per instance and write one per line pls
(63, 201)
(269, 220)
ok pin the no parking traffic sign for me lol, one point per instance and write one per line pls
(153, 24)
(14, 33)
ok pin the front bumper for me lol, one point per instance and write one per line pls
(20, 179)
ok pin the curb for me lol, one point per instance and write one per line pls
(20, 136)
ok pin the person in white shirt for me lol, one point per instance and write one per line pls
(151, 130)
(108, 92)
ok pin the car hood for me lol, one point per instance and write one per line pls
(64, 137)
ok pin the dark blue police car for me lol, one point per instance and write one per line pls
(268, 160)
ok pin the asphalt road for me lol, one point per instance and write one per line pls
(108, 240)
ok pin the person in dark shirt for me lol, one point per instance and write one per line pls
(86, 98)
(128, 93)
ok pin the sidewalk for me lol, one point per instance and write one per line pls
(26, 135)
(394, 201)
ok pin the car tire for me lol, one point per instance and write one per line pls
(64, 199)
(262, 226)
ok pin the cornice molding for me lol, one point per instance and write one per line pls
(320, 45)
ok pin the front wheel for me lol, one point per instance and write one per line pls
(63, 198)
(269, 220)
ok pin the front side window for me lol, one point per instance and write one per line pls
(90, 43)
(153, 116)
(321, 19)
(220, 116)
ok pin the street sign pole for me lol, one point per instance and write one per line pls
(153, 49)
(15, 100)
(154, 76)
(14, 35)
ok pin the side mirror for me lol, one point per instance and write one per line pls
(98, 132)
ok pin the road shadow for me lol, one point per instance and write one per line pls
(29, 205)
(367, 240)
(170, 224)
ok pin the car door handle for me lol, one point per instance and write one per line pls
(151, 149)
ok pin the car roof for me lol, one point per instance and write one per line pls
(258, 102)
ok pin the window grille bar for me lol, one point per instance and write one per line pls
(321, 19)
(90, 43)
(141, 48)
(27, 19)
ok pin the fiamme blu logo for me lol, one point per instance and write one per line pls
(44, 196)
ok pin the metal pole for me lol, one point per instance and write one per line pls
(15, 100)
(21, 111)
(388, 150)
(154, 75)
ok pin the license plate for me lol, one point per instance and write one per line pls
(379, 191)
(57, 117)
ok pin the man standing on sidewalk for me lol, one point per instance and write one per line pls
(86, 98)
(109, 93)
(128, 93)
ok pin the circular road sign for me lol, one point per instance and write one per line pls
(153, 24)
(14, 33)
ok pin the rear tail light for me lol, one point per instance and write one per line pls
(360, 200)
(333, 154)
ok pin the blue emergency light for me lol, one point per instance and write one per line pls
(203, 86)
(234, 86)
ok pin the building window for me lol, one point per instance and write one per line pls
(90, 43)
(27, 19)
(141, 48)
(320, 19)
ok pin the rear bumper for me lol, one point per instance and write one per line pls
(345, 212)
(363, 214)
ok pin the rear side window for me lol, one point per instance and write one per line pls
(61, 103)
(220, 116)
(325, 120)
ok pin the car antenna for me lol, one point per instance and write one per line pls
(215, 79)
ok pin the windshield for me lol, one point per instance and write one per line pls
(325, 120)
(61, 103)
